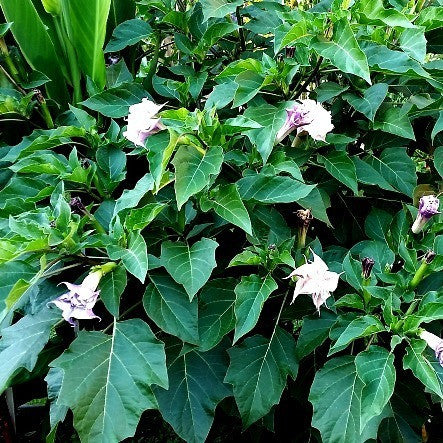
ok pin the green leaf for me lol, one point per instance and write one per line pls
(343, 51)
(214, 33)
(340, 166)
(314, 331)
(112, 160)
(118, 74)
(271, 119)
(335, 397)
(372, 99)
(167, 304)
(39, 50)
(249, 84)
(438, 154)
(4, 28)
(397, 168)
(287, 36)
(272, 189)
(131, 197)
(113, 387)
(112, 286)
(327, 90)
(216, 311)
(251, 294)
(359, 327)
(57, 412)
(193, 170)
(142, 217)
(375, 367)
(258, 371)
(227, 203)
(377, 224)
(375, 13)
(189, 266)
(413, 42)
(115, 102)
(218, 8)
(86, 23)
(395, 123)
(420, 365)
(22, 342)
(369, 176)
(195, 388)
(128, 33)
(134, 256)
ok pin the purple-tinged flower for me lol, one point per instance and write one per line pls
(428, 206)
(367, 264)
(143, 122)
(315, 279)
(435, 343)
(78, 302)
(306, 116)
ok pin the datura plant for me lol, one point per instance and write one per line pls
(221, 220)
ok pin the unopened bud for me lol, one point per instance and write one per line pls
(367, 264)
(429, 256)
(77, 206)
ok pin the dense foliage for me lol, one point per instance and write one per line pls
(171, 171)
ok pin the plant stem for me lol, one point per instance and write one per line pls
(314, 72)
(8, 60)
(419, 274)
(147, 82)
(240, 30)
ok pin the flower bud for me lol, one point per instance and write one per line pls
(428, 206)
(77, 206)
(52, 6)
(367, 264)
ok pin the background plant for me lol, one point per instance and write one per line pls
(201, 221)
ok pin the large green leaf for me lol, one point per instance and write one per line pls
(218, 8)
(195, 388)
(189, 266)
(216, 311)
(421, 366)
(377, 224)
(375, 368)
(272, 189)
(438, 157)
(22, 342)
(343, 51)
(167, 304)
(340, 166)
(227, 203)
(86, 24)
(134, 256)
(251, 292)
(413, 42)
(112, 286)
(193, 170)
(107, 379)
(258, 371)
(287, 36)
(335, 397)
(375, 13)
(120, 11)
(115, 102)
(395, 123)
(39, 50)
(372, 99)
(131, 197)
(397, 168)
(128, 33)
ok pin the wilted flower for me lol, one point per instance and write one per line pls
(79, 301)
(428, 206)
(429, 256)
(143, 122)
(315, 279)
(435, 343)
(367, 264)
(306, 116)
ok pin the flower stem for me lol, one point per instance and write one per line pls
(419, 275)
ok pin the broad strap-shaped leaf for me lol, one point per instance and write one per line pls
(314, 331)
(86, 24)
(394, 122)
(167, 304)
(343, 51)
(115, 102)
(193, 170)
(227, 203)
(258, 371)
(375, 368)
(420, 366)
(340, 166)
(272, 189)
(335, 397)
(216, 311)
(359, 327)
(134, 256)
(195, 388)
(128, 33)
(372, 99)
(22, 342)
(251, 294)
(111, 288)
(191, 266)
(107, 379)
